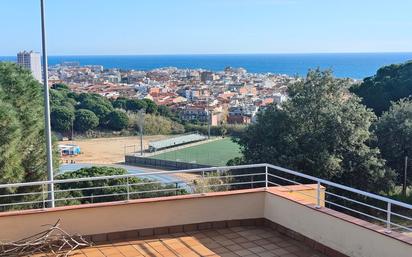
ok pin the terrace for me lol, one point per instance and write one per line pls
(249, 210)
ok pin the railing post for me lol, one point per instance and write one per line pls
(176, 186)
(42, 196)
(266, 177)
(128, 190)
(318, 206)
(203, 182)
(388, 218)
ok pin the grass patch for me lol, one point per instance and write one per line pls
(215, 153)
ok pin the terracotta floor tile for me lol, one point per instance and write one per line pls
(243, 252)
(247, 241)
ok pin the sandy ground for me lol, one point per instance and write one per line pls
(112, 151)
(107, 150)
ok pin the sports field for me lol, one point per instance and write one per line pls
(215, 153)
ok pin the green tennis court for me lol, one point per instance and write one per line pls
(215, 153)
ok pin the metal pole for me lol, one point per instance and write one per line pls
(405, 176)
(388, 218)
(318, 206)
(141, 115)
(141, 141)
(208, 118)
(266, 178)
(49, 150)
(128, 189)
(72, 138)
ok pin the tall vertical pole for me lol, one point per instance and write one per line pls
(49, 152)
(405, 177)
(141, 115)
(208, 118)
(141, 141)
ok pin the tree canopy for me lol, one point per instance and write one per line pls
(323, 130)
(394, 134)
(22, 140)
(117, 120)
(391, 83)
(85, 120)
(62, 119)
(110, 114)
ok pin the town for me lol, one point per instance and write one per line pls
(232, 95)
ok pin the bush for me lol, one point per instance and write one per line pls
(234, 130)
(117, 120)
(112, 189)
(135, 105)
(156, 125)
(62, 119)
(85, 120)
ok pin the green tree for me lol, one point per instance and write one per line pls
(61, 99)
(11, 169)
(95, 103)
(60, 86)
(85, 120)
(391, 83)
(117, 120)
(151, 106)
(394, 134)
(120, 103)
(135, 105)
(164, 111)
(155, 125)
(62, 119)
(22, 141)
(96, 107)
(323, 130)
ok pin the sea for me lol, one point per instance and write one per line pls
(351, 65)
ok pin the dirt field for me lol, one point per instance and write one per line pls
(107, 150)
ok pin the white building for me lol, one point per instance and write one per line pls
(31, 61)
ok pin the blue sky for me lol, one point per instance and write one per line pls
(81, 27)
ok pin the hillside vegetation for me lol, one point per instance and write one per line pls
(391, 83)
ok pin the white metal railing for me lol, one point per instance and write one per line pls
(393, 214)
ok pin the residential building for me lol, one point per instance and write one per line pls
(31, 61)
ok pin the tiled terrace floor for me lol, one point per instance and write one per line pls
(235, 241)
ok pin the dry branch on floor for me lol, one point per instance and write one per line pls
(53, 240)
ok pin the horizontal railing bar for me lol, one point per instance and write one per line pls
(236, 176)
(401, 226)
(273, 183)
(85, 188)
(401, 216)
(84, 197)
(358, 202)
(113, 186)
(132, 175)
(116, 194)
(239, 183)
(22, 194)
(353, 190)
(359, 212)
(275, 176)
(155, 191)
(157, 182)
(21, 203)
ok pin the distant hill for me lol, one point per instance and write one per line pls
(390, 83)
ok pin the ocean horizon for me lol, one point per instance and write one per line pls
(352, 65)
